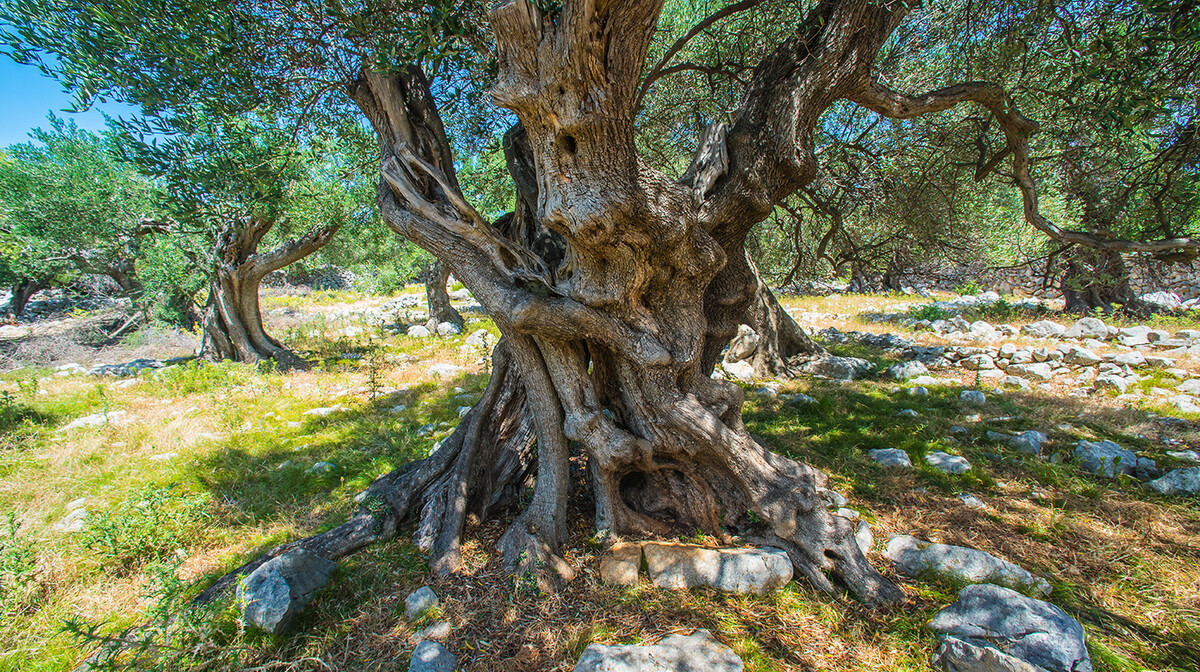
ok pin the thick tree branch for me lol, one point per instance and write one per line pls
(658, 72)
(1017, 131)
(294, 250)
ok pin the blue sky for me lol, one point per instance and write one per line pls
(27, 96)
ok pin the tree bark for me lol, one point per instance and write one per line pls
(615, 344)
(1094, 280)
(121, 271)
(232, 320)
(22, 291)
(779, 337)
(436, 276)
(612, 344)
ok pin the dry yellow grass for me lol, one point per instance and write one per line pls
(1127, 564)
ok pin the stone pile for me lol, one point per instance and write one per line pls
(677, 565)
(1169, 285)
(1074, 356)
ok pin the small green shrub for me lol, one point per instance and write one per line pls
(1000, 310)
(387, 280)
(150, 525)
(18, 569)
(928, 311)
(969, 287)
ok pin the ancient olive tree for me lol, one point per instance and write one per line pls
(72, 207)
(617, 284)
(233, 182)
(1114, 86)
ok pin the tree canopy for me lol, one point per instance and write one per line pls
(644, 143)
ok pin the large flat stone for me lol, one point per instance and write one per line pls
(1088, 327)
(890, 457)
(1044, 329)
(621, 564)
(736, 570)
(1031, 630)
(274, 594)
(838, 368)
(951, 464)
(697, 652)
(959, 563)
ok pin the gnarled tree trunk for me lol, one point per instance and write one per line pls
(1096, 280)
(121, 271)
(613, 343)
(436, 275)
(232, 320)
(22, 291)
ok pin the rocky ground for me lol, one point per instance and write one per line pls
(1023, 477)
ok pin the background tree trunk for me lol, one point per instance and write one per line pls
(1097, 280)
(232, 320)
(22, 291)
(779, 337)
(436, 276)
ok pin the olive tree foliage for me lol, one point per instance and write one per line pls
(620, 274)
(1113, 85)
(235, 184)
(72, 206)
(889, 197)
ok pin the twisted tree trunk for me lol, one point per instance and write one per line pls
(613, 330)
(436, 275)
(1094, 280)
(232, 320)
(22, 291)
(616, 344)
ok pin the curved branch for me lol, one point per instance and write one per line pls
(293, 250)
(657, 71)
(1017, 130)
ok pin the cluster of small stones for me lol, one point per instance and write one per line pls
(1089, 355)
(1147, 276)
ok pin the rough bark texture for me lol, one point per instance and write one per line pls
(779, 337)
(615, 344)
(22, 291)
(436, 275)
(617, 289)
(232, 320)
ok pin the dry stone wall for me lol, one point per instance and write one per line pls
(1025, 280)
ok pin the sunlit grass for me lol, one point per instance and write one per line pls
(241, 439)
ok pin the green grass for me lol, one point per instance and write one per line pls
(239, 484)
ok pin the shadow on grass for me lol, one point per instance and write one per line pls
(1089, 534)
(260, 477)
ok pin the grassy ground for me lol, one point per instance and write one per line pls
(209, 466)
